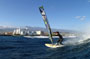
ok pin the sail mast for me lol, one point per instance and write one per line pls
(46, 22)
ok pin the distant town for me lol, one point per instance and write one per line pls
(27, 32)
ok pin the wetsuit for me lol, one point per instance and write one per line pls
(60, 39)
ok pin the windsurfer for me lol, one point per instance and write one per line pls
(60, 38)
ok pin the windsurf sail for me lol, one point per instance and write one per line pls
(46, 22)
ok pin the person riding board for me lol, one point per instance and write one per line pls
(59, 41)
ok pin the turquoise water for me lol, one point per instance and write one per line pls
(12, 47)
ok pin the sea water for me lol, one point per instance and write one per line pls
(19, 47)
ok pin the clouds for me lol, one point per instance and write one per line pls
(81, 17)
(88, 0)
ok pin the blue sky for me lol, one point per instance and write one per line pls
(62, 14)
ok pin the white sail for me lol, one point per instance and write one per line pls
(46, 22)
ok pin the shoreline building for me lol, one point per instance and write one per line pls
(39, 32)
(27, 32)
(21, 32)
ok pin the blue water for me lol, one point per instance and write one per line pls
(12, 47)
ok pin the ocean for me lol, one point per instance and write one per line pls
(19, 47)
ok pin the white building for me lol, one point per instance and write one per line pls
(17, 31)
(26, 32)
(21, 32)
(39, 32)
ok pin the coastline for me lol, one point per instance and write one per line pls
(40, 36)
(48, 36)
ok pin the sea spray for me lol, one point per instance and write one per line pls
(86, 33)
